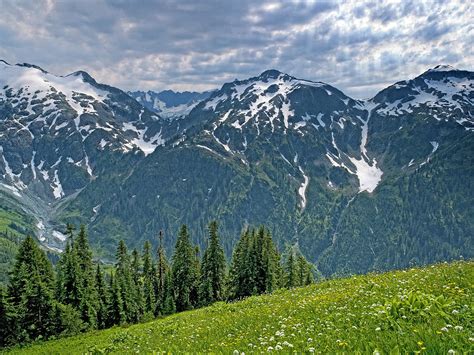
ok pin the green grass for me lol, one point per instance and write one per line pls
(13, 222)
(427, 310)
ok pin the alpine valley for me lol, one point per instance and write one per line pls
(358, 185)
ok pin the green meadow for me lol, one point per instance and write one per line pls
(420, 310)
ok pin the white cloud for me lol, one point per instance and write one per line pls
(357, 46)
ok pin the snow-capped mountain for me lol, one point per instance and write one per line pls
(60, 133)
(443, 93)
(359, 185)
(275, 105)
(168, 103)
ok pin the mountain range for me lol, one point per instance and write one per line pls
(358, 185)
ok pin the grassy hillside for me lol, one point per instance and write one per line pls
(427, 310)
(14, 225)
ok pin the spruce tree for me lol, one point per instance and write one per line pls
(30, 293)
(6, 330)
(137, 286)
(69, 285)
(212, 269)
(162, 271)
(255, 267)
(183, 271)
(102, 297)
(148, 280)
(116, 314)
(196, 272)
(291, 279)
(169, 305)
(240, 275)
(89, 302)
(124, 283)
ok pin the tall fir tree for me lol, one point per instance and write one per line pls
(124, 283)
(240, 276)
(89, 302)
(102, 298)
(137, 286)
(162, 287)
(68, 284)
(291, 272)
(149, 276)
(6, 330)
(256, 265)
(31, 293)
(183, 271)
(212, 277)
(115, 309)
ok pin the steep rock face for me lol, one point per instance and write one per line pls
(359, 185)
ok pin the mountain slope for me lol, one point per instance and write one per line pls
(315, 166)
(359, 185)
(372, 313)
(59, 134)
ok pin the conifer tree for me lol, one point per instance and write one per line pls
(240, 276)
(298, 271)
(89, 302)
(169, 305)
(149, 275)
(123, 283)
(137, 286)
(291, 270)
(255, 265)
(116, 314)
(5, 321)
(196, 272)
(212, 269)
(183, 271)
(68, 285)
(162, 271)
(102, 298)
(30, 293)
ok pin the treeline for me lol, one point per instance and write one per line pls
(78, 295)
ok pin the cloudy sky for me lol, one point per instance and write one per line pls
(357, 46)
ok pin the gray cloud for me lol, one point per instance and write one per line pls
(359, 47)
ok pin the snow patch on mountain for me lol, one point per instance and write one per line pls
(146, 144)
(34, 86)
(303, 187)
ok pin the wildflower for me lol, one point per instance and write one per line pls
(311, 350)
(471, 339)
(444, 329)
(285, 343)
(451, 352)
(278, 347)
(455, 311)
(378, 329)
(458, 328)
(236, 352)
(310, 340)
(270, 348)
